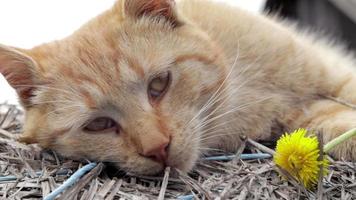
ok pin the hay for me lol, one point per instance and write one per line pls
(27, 172)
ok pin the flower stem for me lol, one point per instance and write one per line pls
(336, 141)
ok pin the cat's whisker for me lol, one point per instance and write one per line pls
(207, 131)
(212, 132)
(227, 98)
(206, 121)
(211, 149)
(196, 133)
(206, 106)
(216, 136)
(235, 109)
(211, 99)
(199, 138)
(247, 68)
(204, 133)
(207, 151)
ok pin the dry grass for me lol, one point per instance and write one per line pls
(37, 173)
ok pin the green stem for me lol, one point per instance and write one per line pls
(336, 141)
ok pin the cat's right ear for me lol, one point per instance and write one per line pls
(18, 68)
(151, 8)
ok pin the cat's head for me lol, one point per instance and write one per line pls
(126, 88)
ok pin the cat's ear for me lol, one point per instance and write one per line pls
(17, 68)
(152, 8)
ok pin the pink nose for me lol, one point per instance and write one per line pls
(158, 153)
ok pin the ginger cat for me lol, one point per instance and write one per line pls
(151, 83)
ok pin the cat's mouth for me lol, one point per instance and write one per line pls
(182, 161)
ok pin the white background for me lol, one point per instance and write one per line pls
(26, 23)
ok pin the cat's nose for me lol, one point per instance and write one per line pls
(157, 152)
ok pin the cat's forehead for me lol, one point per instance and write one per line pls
(128, 53)
(107, 59)
(102, 54)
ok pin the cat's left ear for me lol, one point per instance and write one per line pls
(17, 69)
(153, 8)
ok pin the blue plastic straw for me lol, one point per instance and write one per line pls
(242, 157)
(38, 174)
(186, 197)
(69, 182)
(14, 178)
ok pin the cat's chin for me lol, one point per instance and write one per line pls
(184, 163)
(183, 167)
(143, 169)
(158, 169)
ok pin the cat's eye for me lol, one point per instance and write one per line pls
(158, 86)
(101, 124)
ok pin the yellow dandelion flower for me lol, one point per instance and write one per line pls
(298, 155)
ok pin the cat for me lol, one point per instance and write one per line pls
(155, 83)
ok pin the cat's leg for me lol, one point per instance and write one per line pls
(329, 72)
(344, 88)
(314, 69)
(329, 118)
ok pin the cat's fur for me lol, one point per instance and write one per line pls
(232, 72)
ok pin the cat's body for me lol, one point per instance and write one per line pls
(149, 83)
(282, 70)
